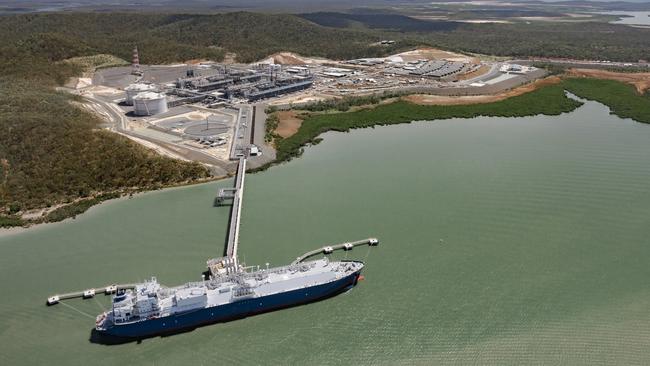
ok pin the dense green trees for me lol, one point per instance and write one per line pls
(576, 40)
(622, 99)
(53, 153)
(171, 38)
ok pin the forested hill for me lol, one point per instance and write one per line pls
(517, 38)
(52, 153)
(171, 38)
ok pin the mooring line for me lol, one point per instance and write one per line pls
(365, 259)
(100, 304)
(77, 310)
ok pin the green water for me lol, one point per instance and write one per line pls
(504, 241)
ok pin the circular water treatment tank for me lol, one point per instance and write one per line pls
(149, 103)
(135, 89)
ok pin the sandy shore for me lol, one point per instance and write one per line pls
(4, 232)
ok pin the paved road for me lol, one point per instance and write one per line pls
(268, 152)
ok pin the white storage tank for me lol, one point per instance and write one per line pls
(149, 103)
(135, 89)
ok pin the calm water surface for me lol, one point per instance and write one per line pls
(632, 17)
(504, 241)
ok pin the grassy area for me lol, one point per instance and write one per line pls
(272, 122)
(549, 100)
(622, 99)
(344, 104)
(96, 62)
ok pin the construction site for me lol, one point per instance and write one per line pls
(211, 112)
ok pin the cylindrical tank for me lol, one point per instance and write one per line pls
(149, 103)
(135, 89)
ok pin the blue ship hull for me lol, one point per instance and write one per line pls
(236, 310)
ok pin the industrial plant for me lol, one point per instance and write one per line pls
(212, 112)
(214, 86)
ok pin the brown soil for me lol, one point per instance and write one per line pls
(425, 99)
(640, 80)
(196, 61)
(286, 58)
(229, 58)
(288, 123)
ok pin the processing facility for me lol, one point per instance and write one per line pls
(217, 86)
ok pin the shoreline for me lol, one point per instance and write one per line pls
(14, 230)
(296, 142)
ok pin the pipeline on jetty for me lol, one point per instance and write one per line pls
(237, 195)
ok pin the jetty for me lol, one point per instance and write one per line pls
(229, 263)
(88, 293)
(331, 248)
(236, 194)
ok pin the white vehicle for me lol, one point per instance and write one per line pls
(255, 151)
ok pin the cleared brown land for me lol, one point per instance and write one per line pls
(288, 123)
(426, 99)
(287, 59)
(428, 53)
(640, 80)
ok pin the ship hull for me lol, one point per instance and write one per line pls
(236, 310)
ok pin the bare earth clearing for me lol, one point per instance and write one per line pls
(288, 123)
(290, 58)
(427, 53)
(425, 99)
(640, 80)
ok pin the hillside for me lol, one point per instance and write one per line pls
(170, 38)
(51, 152)
(585, 40)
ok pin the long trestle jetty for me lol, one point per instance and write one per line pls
(237, 195)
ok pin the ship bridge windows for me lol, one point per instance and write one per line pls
(119, 298)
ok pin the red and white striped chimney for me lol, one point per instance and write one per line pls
(136, 58)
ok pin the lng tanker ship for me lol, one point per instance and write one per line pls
(228, 290)
(231, 292)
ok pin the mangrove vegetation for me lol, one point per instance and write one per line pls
(548, 100)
